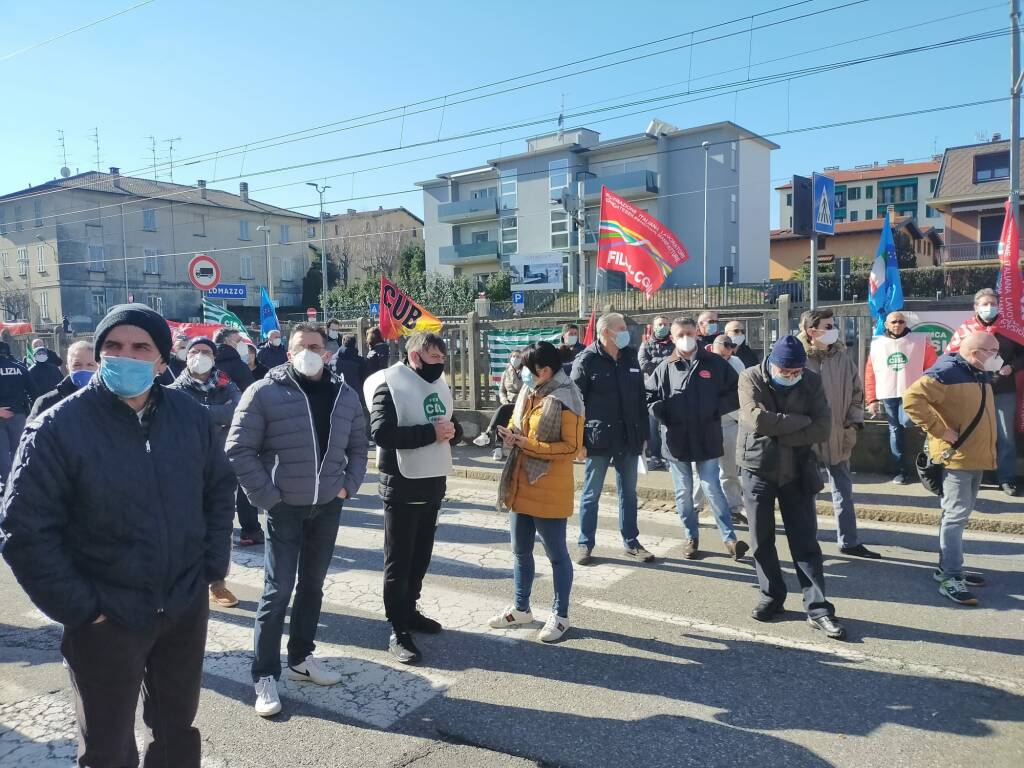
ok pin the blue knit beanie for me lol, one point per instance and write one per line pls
(788, 352)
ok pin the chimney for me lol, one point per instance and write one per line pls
(995, 137)
(380, 207)
(243, 191)
(202, 188)
(352, 210)
(115, 174)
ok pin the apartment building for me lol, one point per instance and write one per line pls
(864, 192)
(478, 219)
(76, 246)
(368, 242)
(974, 183)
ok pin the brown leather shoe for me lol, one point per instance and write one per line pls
(690, 551)
(737, 549)
(222, 596)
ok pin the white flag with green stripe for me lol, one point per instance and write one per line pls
(214, 313)
(500, 344)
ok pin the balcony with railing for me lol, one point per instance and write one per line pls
(480, 252)
(631, 184)
(966, 252)
(464, 211)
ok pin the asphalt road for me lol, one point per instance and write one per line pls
(663, 666)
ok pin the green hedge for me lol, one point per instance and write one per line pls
(919, 283)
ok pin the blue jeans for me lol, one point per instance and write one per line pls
(842, 504)
(302, 540)
(959, 492)
(898, 422)
(682, 480)
(1006, 437)
(625, 484)
(524, 529)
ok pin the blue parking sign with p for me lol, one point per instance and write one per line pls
(518, 298)
(824, 201)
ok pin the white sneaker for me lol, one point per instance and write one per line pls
(555, 627)
(312, 670)
(498, 454)
(483, 440)
(510, 617)
(268, 703)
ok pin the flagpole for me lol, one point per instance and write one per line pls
(1015, 88)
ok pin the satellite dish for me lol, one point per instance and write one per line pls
(65, 172)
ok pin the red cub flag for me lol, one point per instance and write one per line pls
(632, 241)
(400, 315)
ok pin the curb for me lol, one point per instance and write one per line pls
(876, 512)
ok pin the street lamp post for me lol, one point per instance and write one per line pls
(707, 149)
(266, 254)
(323, 242)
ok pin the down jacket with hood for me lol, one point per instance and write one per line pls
(273, 449)
(845, 395)
(220, 402)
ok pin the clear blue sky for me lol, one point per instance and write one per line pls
(223, 74)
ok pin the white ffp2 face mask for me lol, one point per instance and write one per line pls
(686, 344)
(308, 363)
(200, 364)
(829, 337)
(994, 363)
(737, 338)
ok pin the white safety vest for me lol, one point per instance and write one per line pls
(897, 363)
(418, 402)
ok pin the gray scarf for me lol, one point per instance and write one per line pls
(558, 393)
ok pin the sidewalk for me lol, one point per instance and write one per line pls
(876, 496)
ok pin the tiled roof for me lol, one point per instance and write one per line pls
(131, 186)
(852, 228)
(956, 179)
(880, 172)
(374, 212)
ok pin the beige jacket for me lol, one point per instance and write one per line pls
(845, 395)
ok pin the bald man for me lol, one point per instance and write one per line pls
(954, 404)
(897, 359)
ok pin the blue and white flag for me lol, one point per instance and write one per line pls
(885, 290)
(268, 315)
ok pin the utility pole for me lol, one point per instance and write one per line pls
(1015, 87)
(707, 149)
(323, 242)
(581, 237)
(265, 229)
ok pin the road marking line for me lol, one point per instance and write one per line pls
(838, 650)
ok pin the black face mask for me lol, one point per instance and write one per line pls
(430, 372)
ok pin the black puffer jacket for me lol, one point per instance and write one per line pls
(220, 402)
(746, 355)
(227, 361)
(351, 366)
(104, 516)
(615, 399)
(378, 358)
(16, 388)
(45, 376)
(395, 488)
(688, 402)
(270, 356)
(66, 388)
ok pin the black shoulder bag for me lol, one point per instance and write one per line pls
(933, 473)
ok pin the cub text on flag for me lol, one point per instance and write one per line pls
(632, 241)
(400, 315)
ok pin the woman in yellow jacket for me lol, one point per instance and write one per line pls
(537, 483)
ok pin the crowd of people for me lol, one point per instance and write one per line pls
(124, 474)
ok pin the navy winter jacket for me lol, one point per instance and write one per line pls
(99, 518)
(615, 399)
(16, 388)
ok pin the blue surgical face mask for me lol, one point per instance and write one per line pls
(784, 382)
(81, 378)
(712, 328)
(527, 376)
(987, 313)
(127, 377)
(661, 332)
(622, 339)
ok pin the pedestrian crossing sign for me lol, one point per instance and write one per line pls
(824, 201)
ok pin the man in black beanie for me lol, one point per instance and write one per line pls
(783, 412)
(120, 542)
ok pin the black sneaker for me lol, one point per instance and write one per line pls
(957, 591)
(1010, 489)
(403, 648)
(970, 578)
(829, 626)
(860, 551)
(420, 623)
(767, 609)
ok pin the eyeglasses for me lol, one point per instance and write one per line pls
(897, 322)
